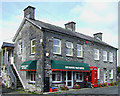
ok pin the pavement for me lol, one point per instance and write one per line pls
(111, 90)
(101, 90)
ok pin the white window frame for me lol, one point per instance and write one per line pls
(57, 73)
(33, 45)
(59, 46)
(70, 48)
(20, 44)
(98, 73)
(34, 74)
(110, 57)
(77, 80)
(111, 73)
(96, 54)
(80, 50)
(104, 55)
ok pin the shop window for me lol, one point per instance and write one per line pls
(111, 74)
(32, 76)
(79, 76)
(96, 54)
(110, 57)
(79, 50)
(56, 77)
(104, 55)
(56, 46)
(69, 48)
(33, 46)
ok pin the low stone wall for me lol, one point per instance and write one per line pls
(6, 80)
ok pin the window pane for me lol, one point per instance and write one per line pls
(33, 49)
(34, 76)
(33, 42)
(71, 51)
(56, 42)
(53, 77)
(56, 46)
(79, 47)
(68, 51)
(58, 77)
(31, 77)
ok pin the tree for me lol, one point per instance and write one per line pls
(118, 70)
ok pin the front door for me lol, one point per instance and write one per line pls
(69, 79)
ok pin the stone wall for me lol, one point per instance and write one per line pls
(44, 46)
(6, 80)
(26, 34)
(88, 53)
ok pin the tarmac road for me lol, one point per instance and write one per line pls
(102, 90)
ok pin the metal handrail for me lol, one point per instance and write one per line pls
(11, 74)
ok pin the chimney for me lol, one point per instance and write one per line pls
(70, 26)
(98, 36)
(29, 12)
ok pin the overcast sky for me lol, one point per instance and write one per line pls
(90, 17)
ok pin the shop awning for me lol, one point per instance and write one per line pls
(69, 66)
(28, 66)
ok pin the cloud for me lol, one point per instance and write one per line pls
(94, 17)
(94, 12)
(8, 30)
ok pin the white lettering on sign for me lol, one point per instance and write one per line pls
(73, 67)
(24, 66)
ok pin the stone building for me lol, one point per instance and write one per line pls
(46, 55)
(0, 64)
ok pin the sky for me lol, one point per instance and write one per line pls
(90, 17)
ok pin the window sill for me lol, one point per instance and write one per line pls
(69, 55)
(56, 81)
(105, 61)
(110, 62)
(31, 82)
(57, 54)
(96, 60)
(80, 57)
(110, 78)
(79, 80)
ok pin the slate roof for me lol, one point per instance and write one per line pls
(6, 44)
(68, 32)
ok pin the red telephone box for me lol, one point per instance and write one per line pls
(93, 76)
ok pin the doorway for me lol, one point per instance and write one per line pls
(69, 79)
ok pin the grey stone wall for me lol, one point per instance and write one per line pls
(88, 53)
(27, 33)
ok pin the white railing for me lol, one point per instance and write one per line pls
(18, 75)
(12, 60)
